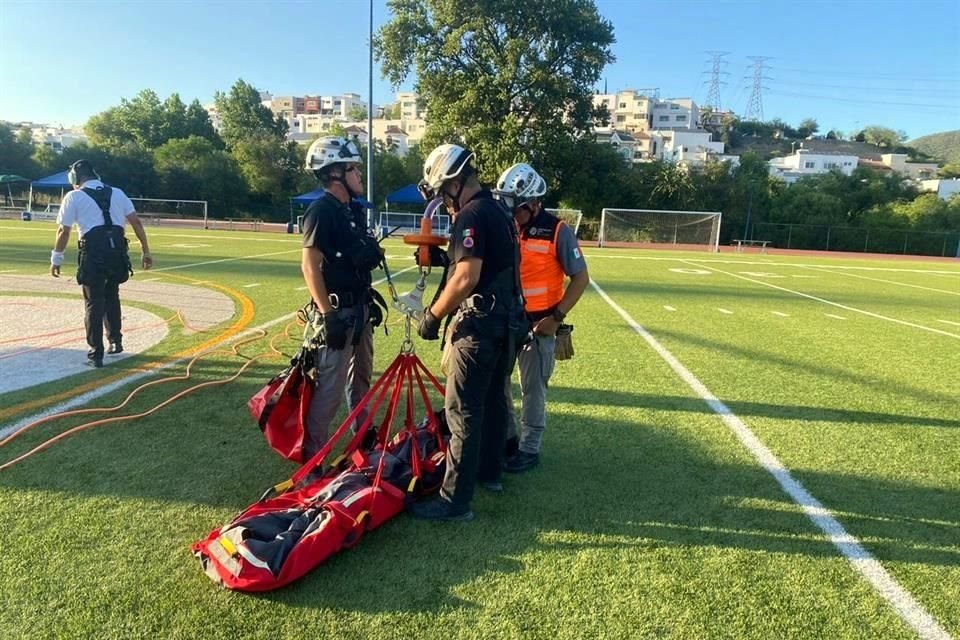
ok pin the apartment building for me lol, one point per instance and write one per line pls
(805, 162)
(913, 170)
(630, 111)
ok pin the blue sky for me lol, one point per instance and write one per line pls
(846, 63)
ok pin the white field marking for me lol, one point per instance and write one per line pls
(902, 284)
(301, 288)
(762, 274)
(101, 391)
(803, 276)
(837, 304)
(669, 308)
(956, 324)
(251, 285)
(183, 245)
(833, 315)
(696, 272)
(770, 263)
(726, 311)
(781, 314)
(151, 279)
(9, 271)
(200, 264)
(909, 610)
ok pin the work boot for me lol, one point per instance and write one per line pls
(510, 447)
(95, 361)
(521, 461)
(115, 348)
(440, 508)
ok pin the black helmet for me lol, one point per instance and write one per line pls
(81, 170)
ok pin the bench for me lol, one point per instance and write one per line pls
(741, 244)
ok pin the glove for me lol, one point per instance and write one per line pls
(563, 349)
(438, 258)
(333, 331)
(429, 328)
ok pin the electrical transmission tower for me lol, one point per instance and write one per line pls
(755, 104)
(716, 63)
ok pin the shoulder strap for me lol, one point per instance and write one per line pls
(102, 197)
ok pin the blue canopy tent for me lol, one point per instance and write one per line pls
(55, 181)
(406, 195)
(306, 199)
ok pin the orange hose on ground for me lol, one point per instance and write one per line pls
(234, 350)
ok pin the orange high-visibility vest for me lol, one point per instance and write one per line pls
(541, 273)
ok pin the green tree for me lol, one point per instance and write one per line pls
(198, 124)
(808, 127)
(883, 136)
(357, 112)
(392, 112)
(243, 115)
(336, 129)
(951, 170)
(16, 150)
(510, 80)
(195, 169)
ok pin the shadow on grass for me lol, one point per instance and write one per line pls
(603, 483)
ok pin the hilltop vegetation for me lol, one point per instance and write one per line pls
(942, 146)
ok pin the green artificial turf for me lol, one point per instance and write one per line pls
(646, 519)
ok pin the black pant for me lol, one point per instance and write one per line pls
(101, 302)
(477, 413)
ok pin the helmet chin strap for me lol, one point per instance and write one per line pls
(455, 197)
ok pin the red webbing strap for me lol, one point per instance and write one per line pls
(381, 386)
(405, 368)
(412, 431)
(431, 415)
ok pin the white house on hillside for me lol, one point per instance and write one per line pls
(913, 170)
(943, 188)
(806, 163)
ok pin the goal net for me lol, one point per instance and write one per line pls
(179, 209)
(652, 227)
(570, 216)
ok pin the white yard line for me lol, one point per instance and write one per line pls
(9, 271)
(781, 314)
(200, 264)
(301, 288)
(824, 301)
(133, 377)
(251, 285)
(906, 606)
(770, 263)
(901, 284)
(669, 308)
(726, 311)
(151, 280)
(833, 315)
(950, 322)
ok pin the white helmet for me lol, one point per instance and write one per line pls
(445, 162)
(331, 150)
(519, 184)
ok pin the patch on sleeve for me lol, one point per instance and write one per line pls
(468, 241)
(468, 233)
(576, 252)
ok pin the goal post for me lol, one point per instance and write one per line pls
(170, 208)
(660, 228)
(571, 217)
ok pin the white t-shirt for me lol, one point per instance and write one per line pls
(77, 207)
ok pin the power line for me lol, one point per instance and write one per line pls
(881, 89)
(755, 104)
(955, 107)
(716, 63)
(871, 74)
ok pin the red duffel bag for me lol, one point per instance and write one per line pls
(280, 409)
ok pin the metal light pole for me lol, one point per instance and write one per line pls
(370, 123)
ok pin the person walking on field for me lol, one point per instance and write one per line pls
(338, 258)
(103, 261)
(549, 255)
(483, 292)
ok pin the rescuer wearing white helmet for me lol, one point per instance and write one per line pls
(483, 295)
(338, 256)
(549, 255)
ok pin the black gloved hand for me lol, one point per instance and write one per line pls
(438, 258)
(429, 328)
(334, 330)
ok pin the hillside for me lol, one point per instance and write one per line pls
(942, 146)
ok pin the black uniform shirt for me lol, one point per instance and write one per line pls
(482, 229)
(335, 229)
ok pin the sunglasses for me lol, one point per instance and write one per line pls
(352, 168)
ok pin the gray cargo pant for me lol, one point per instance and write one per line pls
(340, 374)
(536, 361)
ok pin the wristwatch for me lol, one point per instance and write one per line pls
(558, 315)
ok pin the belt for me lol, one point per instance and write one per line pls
(347, 299)
(479, 302)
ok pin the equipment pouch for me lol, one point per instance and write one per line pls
(366, 254)
(564, 345)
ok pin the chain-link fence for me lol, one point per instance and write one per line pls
(858, 239)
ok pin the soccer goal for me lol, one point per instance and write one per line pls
(656, 228)
(154, 209)
(571, 217)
